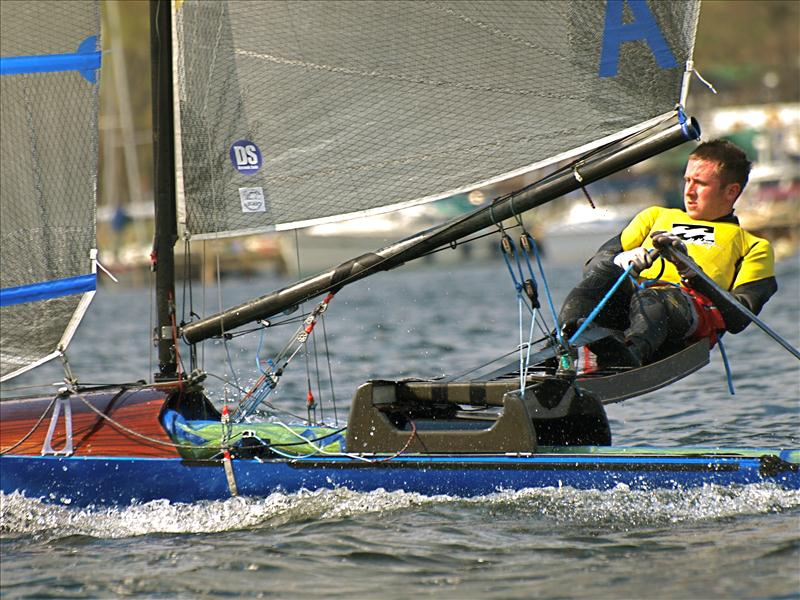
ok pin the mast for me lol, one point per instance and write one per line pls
(163, 257)
(431, 239)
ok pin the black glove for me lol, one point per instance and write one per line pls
(663, 240)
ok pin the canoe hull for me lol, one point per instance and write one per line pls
(83, 481)
(115, 465)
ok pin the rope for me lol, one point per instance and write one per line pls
(321, 450)
(523, 377)
(305, 441)
(269, 379)
(175, 345)
(728, 372)
(508, 247)
(643, 285)
(521, 354)
(547, 294)
(596, 310)
(486, 364)
(269, 405)
(35, 427)
(330, 371)
(127, 430)
(354, 456)
(224, 337)
(404, 448)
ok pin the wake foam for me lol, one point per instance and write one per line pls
(618, 509)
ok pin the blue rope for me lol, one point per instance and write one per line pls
(269, 361)
(728, 371)
(523, 358)
(725, 362)
(650, 282)
(520, 302)
(547, 293)
(517, 284)
(601, 304)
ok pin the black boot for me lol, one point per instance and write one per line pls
(615, 351)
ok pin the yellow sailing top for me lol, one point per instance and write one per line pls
(727, 253)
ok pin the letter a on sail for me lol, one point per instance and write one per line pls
(643, 27)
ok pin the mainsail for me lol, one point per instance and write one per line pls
(299, 113)
(296, 113)
(49, 56)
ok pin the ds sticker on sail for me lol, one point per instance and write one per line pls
(246, 157)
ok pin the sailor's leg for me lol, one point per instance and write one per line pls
(598, 277)
(658, 315)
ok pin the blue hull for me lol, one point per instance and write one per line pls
(83, 481)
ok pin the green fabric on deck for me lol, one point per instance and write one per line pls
(205, 437)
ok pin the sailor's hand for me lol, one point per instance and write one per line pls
(640, 258)
(663, 240)
(686, 273)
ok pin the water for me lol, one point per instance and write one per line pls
(560, 543)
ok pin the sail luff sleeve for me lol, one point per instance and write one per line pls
(416, 246)
(165, 235)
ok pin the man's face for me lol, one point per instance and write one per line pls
(704, 196)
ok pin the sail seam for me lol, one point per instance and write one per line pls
(498, 32)
(446, 194)
(393, 77)
(475, 149)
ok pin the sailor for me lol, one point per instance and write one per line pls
(671, 306)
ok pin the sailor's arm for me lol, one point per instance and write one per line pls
(611, 255)
(753, 295)
(604, 257)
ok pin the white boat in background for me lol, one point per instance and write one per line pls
(319, 247)
(583, 230)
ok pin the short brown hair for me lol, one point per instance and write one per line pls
(733, 164)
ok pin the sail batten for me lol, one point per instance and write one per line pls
(301, 113)
(45, 290)
(52, 63)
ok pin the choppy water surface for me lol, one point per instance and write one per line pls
(711, 542)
